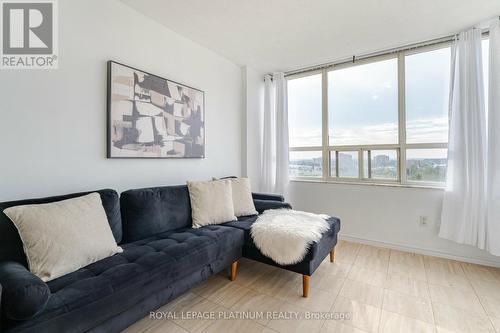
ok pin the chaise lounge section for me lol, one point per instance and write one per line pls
(316, 254)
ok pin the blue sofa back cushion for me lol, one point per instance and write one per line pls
(11, 246)
(150, 211)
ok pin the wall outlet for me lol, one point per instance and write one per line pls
(423, 221)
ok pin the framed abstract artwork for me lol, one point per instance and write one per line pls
(153, 117)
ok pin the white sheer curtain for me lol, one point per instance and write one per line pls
(493, 179)
(471, 205)
(281, 133)
(463, 218)
(268, 167)
(274, 169)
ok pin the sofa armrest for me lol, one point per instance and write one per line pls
(265, 196)
(24, 295)
(263, 205)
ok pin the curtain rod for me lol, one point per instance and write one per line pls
(369, 55)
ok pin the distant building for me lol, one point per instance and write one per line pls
(346, 159)
(381, 160)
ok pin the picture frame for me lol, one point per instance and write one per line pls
(149, 116)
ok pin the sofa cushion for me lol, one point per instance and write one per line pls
(61, 237)
(211, 202)
(165, 258)
(242, 197)
(24, 294)
(150, 211)
(244, 223)
(11, 247)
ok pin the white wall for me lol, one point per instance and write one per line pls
(387, 216)
(53, 123)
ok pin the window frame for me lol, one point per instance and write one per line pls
(400, 147)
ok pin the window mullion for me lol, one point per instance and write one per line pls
(427, 145)
(402, 117)
(324, 123)
(314, 148)
(336, 163)
(369, 164)
(360, 164)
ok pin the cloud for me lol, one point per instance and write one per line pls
(424, 130)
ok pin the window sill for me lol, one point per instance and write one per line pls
(348, 182)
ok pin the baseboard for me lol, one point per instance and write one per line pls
(402, 247)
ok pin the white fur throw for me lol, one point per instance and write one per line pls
(285, 235)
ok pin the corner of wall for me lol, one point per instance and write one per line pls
(253, 105)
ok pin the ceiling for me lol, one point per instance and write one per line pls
(281, 35)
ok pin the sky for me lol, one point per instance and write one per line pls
(363, 102)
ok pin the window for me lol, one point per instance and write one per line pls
(363, 104)
(348, 165)
(304, 108)
(427, 84)
(380, 164)
(386, 119)
(306, 164)
(427, 88)
(426, 164)
(305, 126)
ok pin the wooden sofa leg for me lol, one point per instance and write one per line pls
(305, 285)
(332, 255)
(234, 271)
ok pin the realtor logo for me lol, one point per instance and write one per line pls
(29, 35)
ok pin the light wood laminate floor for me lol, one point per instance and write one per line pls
(382, 290)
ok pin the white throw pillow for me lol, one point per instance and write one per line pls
(61, 237)
(242, 197)
(211, 202)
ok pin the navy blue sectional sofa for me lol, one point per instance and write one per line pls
(163, 257)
